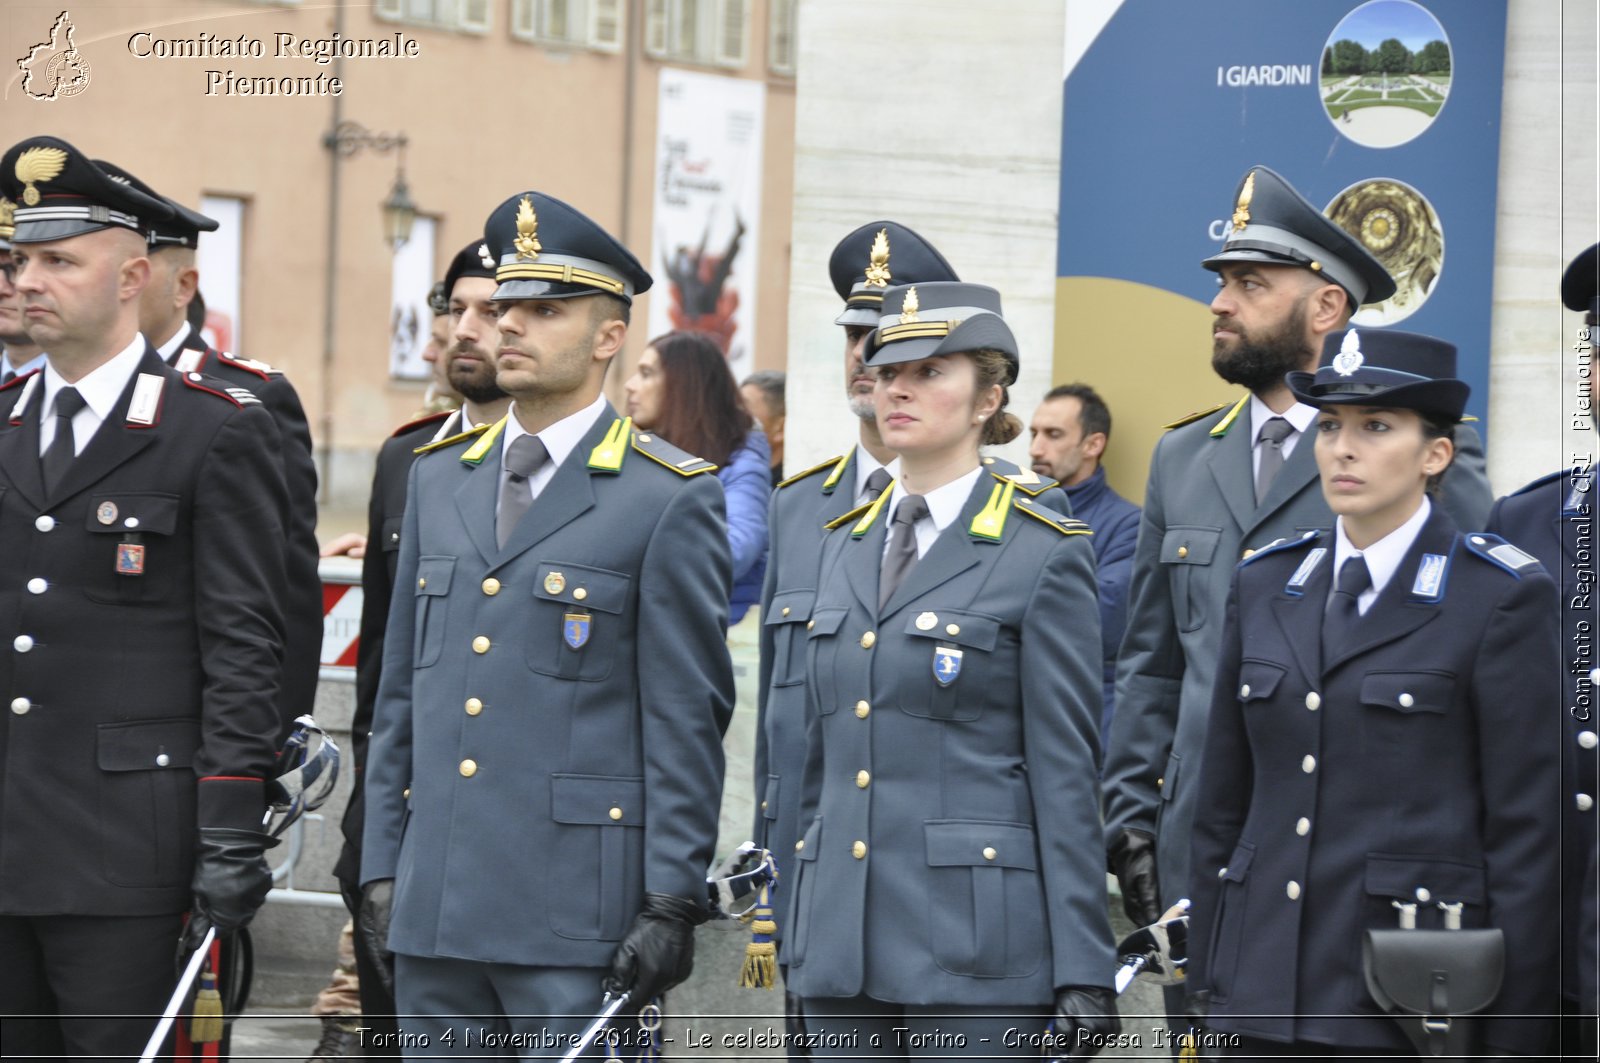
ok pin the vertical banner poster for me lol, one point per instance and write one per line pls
(410, 317)
(1385, 114)
(707, 212)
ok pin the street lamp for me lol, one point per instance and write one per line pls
(348, 139)
(398, 213)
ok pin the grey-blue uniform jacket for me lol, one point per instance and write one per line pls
(547, 743)
(951, 851)
(801, 508)
(1200, 518)
(1419, 765)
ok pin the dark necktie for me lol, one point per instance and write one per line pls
(1271, 437)
(63, 447)
(524, 458)
(6, 376)
(1343, 614)
(878, 481)
(902, 552)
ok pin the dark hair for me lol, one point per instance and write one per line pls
(195, 313)
(1093, 414)
(993, 368)
(771, 382)
(700, 406)
(610, 308)
(1438, 426)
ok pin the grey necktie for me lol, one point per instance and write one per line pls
(524, 457)
(902, 553)
(1343, 606)
(878, 481)
(1271, 437)
(63, 448)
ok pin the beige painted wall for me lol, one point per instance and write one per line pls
(486, 115)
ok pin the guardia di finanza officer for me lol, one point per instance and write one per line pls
(141, 546)
(546, 760)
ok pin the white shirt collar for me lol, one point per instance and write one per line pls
(168, 349)
(561, 438)
(1300, 416)
(102, 386)
(1383, 557)
(866, 465)
(944, 506)
(26, 367)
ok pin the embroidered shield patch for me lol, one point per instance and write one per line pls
(946, 665)
(575, 630)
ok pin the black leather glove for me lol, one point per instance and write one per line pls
(1197, 1007)
(1086, 1018)
(372, 928)
(1133, 861)
(657, 953)
(231, 879)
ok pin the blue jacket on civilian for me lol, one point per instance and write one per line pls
(1115, 521)
(747, 483)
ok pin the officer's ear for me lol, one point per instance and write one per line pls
(132, 278)
(185, 285)
(610, 327)
(1328, 307)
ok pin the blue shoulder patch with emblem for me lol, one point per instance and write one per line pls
(1497, 551)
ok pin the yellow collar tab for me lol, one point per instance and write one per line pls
(458, 437)
(838, 471)
(607, 457)
(832, 462)
(1191, 418)
(845, 518)
(1227, 422)
(991, 519)
(872, 512)
(486, 434)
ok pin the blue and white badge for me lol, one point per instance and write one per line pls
(1430, 576)
(575, 630)
(946, 665)
(1307, 567)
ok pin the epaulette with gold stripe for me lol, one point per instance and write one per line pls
(1027, 481)
(452, 440)
(1046, 515)
(845, 518)
(665, 454)
(1193, 417)
(821, 466)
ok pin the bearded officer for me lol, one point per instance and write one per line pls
(546, 759)
(1222, 485)
(141, 545)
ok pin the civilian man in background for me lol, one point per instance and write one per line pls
(763, 397)
(1068, 436)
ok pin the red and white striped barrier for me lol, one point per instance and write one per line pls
(341, 617)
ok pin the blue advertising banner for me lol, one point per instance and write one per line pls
(1386, 114)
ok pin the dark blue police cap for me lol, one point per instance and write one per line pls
(1580, 284)
(1274, 223)
(60, 193)
(473, 260)
(545, 249)
(873, 257)
(183, 229)
(1384, 367)
(940, 317)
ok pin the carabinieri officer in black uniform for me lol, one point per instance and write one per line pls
(1385, 734)
(949, 882)
(141, 545)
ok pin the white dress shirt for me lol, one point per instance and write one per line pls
(559, 440)
(100, 388)
(944, 506)
(1300, 417)
(866, 465)
(1383, 557)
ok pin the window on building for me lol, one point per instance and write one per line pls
(781, 41)
(593, 24)
(713, 32)
(220, 259)
(471, 16)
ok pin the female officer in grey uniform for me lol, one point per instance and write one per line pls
(950, 886)
(1385, 735)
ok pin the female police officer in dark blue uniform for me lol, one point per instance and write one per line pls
(950, 882)
(1384, 744)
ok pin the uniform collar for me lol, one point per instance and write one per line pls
(1384, 556)
(1299, 415)
(866, 465)
(102, 387)
(170, 348)
(559, 439)
(36, 362)
(944, 503)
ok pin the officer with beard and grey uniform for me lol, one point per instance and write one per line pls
(1223, 484)
(863, 265)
